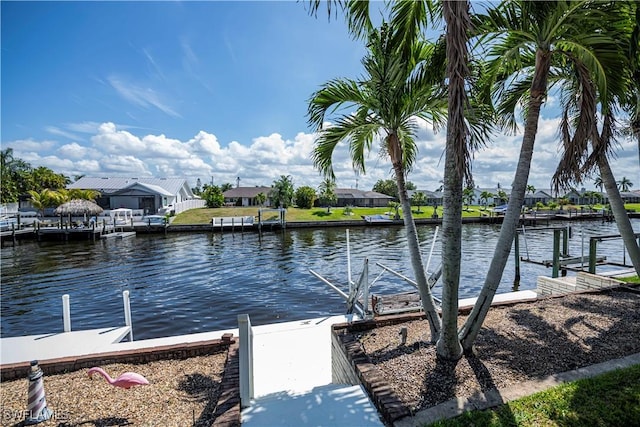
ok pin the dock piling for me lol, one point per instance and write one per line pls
(516, 241)
(127, 313)
(246, 360)
(66, 313)
(556, 253)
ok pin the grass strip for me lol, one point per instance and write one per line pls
(611, 399)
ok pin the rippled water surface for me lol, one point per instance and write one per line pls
(193, 282)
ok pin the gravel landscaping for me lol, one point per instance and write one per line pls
(181, 393)
(518, 342)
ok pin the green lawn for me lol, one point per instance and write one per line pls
(611, 399)
(633, 279)
(204, 215)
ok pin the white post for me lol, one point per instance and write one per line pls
(127, 313)
(246, 360)
(348, 262)
(66, 313)
(433, 244)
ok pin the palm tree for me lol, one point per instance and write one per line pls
(327, 193)
(502, 196)
(282, 191)
(385, 101)
(85, 194)
(528, 39)
(588, 114)
(485, 196)
(14, 176)
(468, 195)
(43, 199)
(418, 199)
(624, 184)
(261, 198)
(598, 182)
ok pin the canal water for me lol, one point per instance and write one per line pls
(194, 282)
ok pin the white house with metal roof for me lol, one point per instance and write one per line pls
(147, 194)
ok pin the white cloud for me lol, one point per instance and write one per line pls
(113, 151)
(60, 132)
(141, 96)
(73, 151)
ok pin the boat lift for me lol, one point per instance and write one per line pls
(357, 298)
(562, 261)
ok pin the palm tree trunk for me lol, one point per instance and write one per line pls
(457, 20)
(620, 213)
(470, 330)
(428, 305)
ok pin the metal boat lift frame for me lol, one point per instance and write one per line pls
(357, 298)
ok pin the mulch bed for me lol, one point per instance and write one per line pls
(518, 342)
(195, 391)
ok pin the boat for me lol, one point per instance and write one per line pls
(375, 219)
(154, 220)
(500, 209)
(121, 216)
(7, 222)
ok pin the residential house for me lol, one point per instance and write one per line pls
(540, 196)
(433, 198)
(361, 198)
(246, 196)
(149, 195)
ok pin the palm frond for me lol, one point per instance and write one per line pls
(332, 96)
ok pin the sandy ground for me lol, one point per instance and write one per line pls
(180, 393)
(517, 343)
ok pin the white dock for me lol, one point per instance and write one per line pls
(58, 345)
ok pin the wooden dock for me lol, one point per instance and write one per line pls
(16, 234)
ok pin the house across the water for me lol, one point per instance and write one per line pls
(150, 195)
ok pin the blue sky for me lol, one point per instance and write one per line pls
(209, 90)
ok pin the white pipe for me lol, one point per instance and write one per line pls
(349, 262)
(582, 248)
(127, 313)
(66, 313)
(403, 277)
(433, 244)
(526, 247)
(341, 293)
(246, 360)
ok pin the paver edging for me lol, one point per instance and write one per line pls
(59, 365)
(227, 412)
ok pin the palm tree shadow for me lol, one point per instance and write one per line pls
(202, 389)
(100, 422)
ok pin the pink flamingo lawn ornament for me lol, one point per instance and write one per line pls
(126, 380)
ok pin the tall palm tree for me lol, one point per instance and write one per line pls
(589, 116)
(383, 104)
(528, 39)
